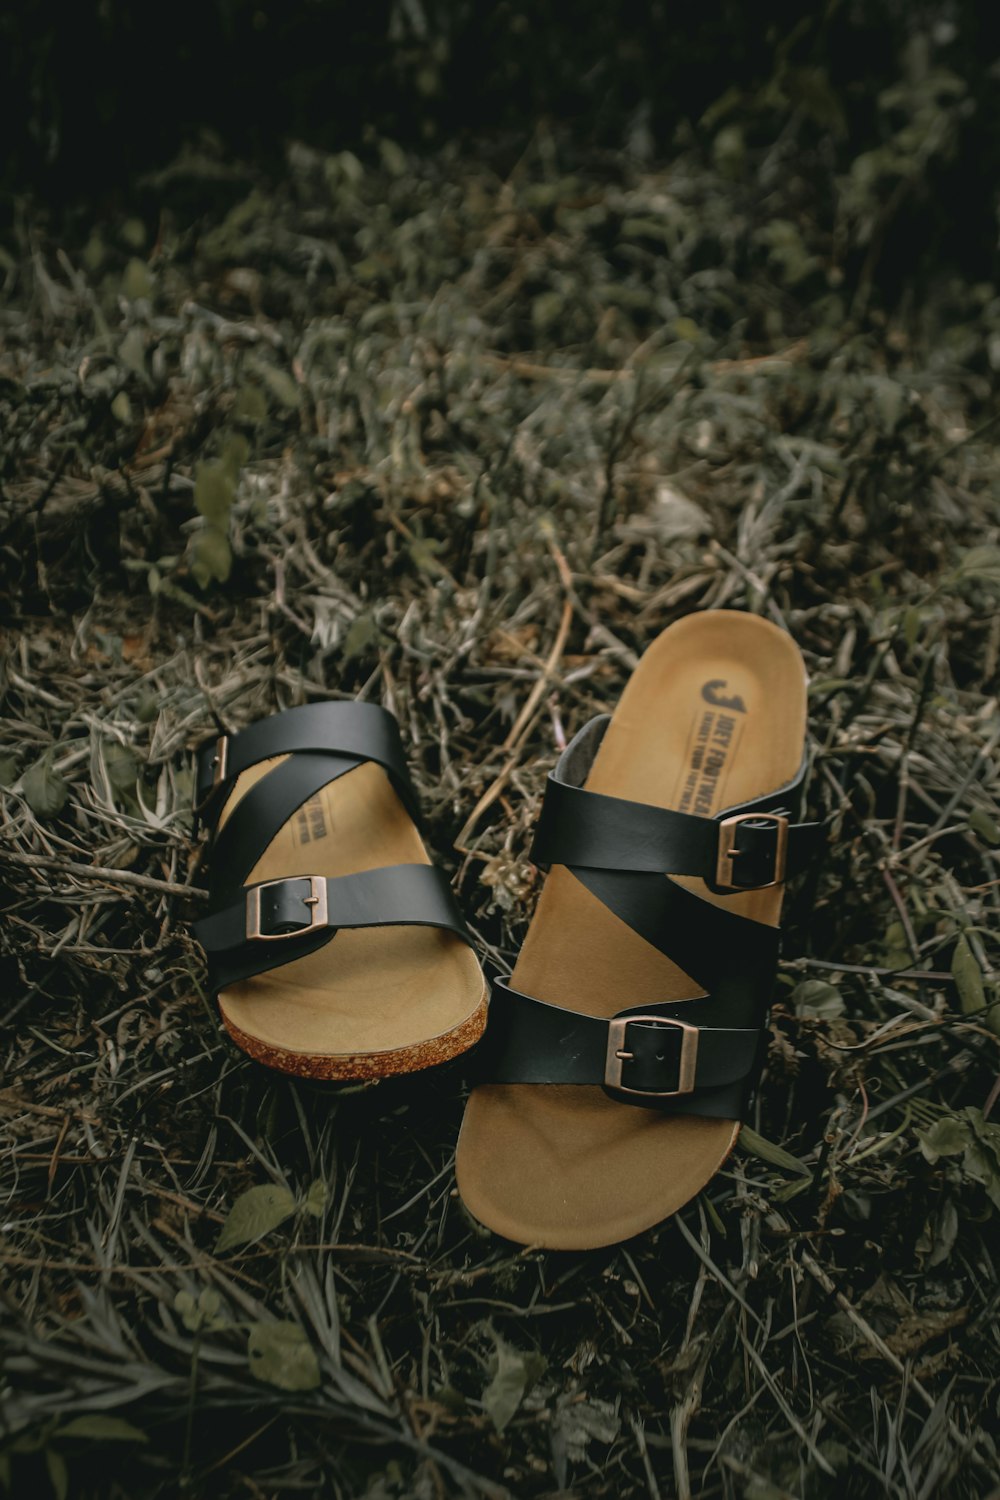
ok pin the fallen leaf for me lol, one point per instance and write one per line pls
(106, 1429)
(775, 1156)
(211, 556)
(816, 998)
(45, 791)
(968, 977)
(254, 1214)
(946, 1137)
(516, 1373)
(213, 491)
(281, 1355)
(137, 281)
(316, 1198)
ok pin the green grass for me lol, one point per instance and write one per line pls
(463, 441)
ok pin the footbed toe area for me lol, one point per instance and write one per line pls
(525, 1176)
(361, 991)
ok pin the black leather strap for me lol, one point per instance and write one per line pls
(266, 807)
(674, 1057)
(590, 829)
(278, 920)
(363, 730)
(700, 1056)
(255, 928)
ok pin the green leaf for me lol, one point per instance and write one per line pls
(214, 491)
(185, 1303)
(45, 791)
(911, 626)
(546, 310)
(775, 1156)
(138, 280)
(8, 770)
(982, 563)
(279, 383)
(516, 1373)
(281, 1355)
(211, 556)
(250, 406)
(58, 1473)
(940, 1233)
(132, 351)
(235, 452)
(729, 150)
(985, 1131)
(107, 1429)
(423, 551)
(316, 1198)
(968, 977)
(121, 765)
(946, 1137)
(982, 823)
(394, 158)
(203, 1313)
(134, 233)
(687, 330)
(361, 637)
(94, 252)
(254, 1214)
(121, 408)
(980, 1165)
(815, 997)
(171, 590)
(147, 705)
(760, 1488)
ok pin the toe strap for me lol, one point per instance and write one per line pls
(662, 1056)
(277, 921)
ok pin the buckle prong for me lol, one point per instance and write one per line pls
(618, 1054)
(316, 902)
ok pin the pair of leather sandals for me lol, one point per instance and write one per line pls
(613, 1066)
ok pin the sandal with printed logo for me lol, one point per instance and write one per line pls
(622, 1052)
(334, 945)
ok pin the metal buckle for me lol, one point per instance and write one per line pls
(728, 851)
(219, 761)
(219, 764)
(618, 1055)
(316, 901)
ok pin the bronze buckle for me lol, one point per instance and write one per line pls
(316, 901)
(220, 767)
(618, 1055)
(728, 851)
(219, 761)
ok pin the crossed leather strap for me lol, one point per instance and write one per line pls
(695, 1057)
(253, 928)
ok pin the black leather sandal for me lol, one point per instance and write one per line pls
(335, 946)
(609, 1090)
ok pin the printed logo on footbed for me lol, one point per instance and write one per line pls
(710, 693)
(711, 747)
(310, 821)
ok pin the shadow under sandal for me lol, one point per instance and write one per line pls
(623, 1051)
(334, 945)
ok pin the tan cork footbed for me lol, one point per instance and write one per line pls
(567, 1167)
(373, 1001)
